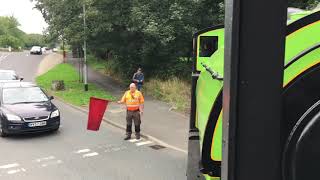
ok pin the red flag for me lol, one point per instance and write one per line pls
(97, 108)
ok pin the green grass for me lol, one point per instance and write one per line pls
(73, 92)
(173, 91)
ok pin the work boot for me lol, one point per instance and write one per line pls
(137, 136)
(127, 138)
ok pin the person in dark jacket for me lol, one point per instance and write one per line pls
(138, 79)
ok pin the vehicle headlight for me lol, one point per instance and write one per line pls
(12, 117)
(55, 113)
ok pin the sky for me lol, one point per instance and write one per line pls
(31, 20)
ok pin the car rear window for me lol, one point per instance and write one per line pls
(36, 48)
(23, 95)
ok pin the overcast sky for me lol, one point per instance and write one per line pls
(31, 20)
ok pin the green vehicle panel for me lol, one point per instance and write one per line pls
(302, 53)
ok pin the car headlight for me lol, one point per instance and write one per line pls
(55, 113)
(12, 117)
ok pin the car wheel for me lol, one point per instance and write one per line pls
(2, 133)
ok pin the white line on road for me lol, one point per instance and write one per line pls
(143, 143)
(90, 154)
(134, 140)
(14, 171)
(6, 55)
(3, 57)
(9, 166)
(45, 159)
(82, 151)
(51, 163)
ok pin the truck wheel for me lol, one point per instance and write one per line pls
(300, 158)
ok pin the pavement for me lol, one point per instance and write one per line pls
(159, 123)
(49, 62)
(73, 153)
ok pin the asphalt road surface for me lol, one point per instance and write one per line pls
(73, 153)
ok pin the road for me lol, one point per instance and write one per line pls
(73, 153)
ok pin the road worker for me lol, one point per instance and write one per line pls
(133, 99)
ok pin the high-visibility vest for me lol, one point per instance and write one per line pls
(132, 100)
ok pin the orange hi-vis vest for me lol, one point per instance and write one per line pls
(133, 100)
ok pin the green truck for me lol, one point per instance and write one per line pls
(301, 90)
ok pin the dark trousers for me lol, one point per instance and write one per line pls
(139, 86)
(135, 117)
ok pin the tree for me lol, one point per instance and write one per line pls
(153, 34)
(303, 4)
(10, 34)
(34, 40)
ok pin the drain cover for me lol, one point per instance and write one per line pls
(157, 147)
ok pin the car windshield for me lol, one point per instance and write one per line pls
(23, 95)
(8, 76)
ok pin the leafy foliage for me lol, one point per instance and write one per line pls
(11, 35)
(152, 34)
(34, 40)
(303, 4)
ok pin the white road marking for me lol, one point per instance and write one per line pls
(45, 159)
(143, 143)
(9, 166)
(3, 57)
(134, 140)
(82, 151)
(14, 171)
(90, 154)
(51, 163)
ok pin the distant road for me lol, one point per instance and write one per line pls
(23, 63)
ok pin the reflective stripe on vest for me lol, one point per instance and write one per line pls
(132, 101)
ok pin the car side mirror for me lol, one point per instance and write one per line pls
(21, 79)
(51, 98)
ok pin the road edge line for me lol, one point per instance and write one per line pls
(146, 136)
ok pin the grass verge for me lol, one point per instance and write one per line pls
(173, 91)
(73, 92)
